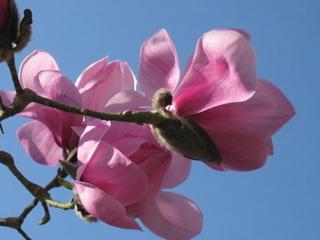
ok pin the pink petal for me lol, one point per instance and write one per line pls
(104, 206)
(241, 152)
(115, 174)
(38, 142)
(32, 65)
(159, 66)
(126, 101)
(54, 85)
(102, 80)
(90, 139)
(177, 172)
(129, 145)
(242, 131)
(155, 167)
(173, 217)
(261, 116)
(222, 71)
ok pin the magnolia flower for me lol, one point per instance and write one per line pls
(220, 92)
(122, 169)
(53, 131)
(121, 176)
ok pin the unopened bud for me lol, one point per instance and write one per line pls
(14, 36)
(180, 133)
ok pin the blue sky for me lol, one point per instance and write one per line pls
(279, 201)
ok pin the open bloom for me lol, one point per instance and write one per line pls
(220, 92)
(52, 132)
(122, 171)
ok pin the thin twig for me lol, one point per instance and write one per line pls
(14, 75)
(23, 234)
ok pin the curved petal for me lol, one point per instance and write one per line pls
(127, 101)
(34, 63)
(240, 152)
(38, 142)
(155, 167)
(172, 217)
(102, 80)
(159, 66)
(53, 85)
(56, 86)
(177, 172)
(104, 206)
(90, 139)
(115, 174)
(222, 71)
(260, 116)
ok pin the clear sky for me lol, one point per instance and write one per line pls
(280, 201)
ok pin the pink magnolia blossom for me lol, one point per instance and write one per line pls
(121, 176)
(220, 92)
(53, 131)
(4, 5)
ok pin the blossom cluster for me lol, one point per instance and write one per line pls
(124, 172)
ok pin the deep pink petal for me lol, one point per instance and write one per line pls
(32, 65)
(172, 217)
(102, 80)
(115, 174)
(260, 116)
(159, 66)
(38, 142)
(222, 71)
(104, 206)
(241, 152)
(177, 172)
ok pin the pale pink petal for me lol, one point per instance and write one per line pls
(36, 62)
(126, 101)
(53, 85)
(244, 33)
(104, 206)
(155, 167)
(115, 174)
(177, 172)
(102, 80)
(38, 142)
(56, 86)
(222, 71)
(128, 145)
(172, 217)
(90, 139)
(260, 116)
(159, 66)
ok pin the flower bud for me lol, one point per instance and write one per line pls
(14, 36)
(180, 133)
